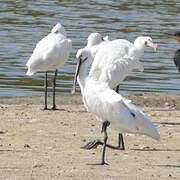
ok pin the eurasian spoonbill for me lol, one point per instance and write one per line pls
(50, 54)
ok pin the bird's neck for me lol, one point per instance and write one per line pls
(137, 51)
(139, 46)
(83, 74)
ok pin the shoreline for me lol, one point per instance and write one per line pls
(140, 99)
(44, 145)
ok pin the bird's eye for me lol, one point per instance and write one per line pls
(80, 57)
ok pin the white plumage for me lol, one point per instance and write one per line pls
(51, 52)
(117, 58)
(121, 113)
(107, 105)
(112, 61)
(94, 43)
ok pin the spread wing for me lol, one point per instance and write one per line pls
(112, 63)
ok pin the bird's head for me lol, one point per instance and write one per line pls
(83, 53)
(58, 28)
(145, 41)
(94, 39)
(84, 58)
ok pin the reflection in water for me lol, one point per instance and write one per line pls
(23, 23)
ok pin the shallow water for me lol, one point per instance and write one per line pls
(23, 23)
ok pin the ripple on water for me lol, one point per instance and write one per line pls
(23, 23)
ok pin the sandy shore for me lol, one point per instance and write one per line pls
(45, 145)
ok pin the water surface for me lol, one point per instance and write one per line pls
(23, 23)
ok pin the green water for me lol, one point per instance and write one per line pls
(24, 22)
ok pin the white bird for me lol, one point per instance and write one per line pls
(117, 58)
(50, 54)
(112, 63)
(94, 42)
(110, 107)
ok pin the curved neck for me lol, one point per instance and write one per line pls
(139, 47)
(137, 51)
(83, 74)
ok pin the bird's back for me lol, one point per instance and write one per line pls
(112, 62)
(123, 115)
(49, 54)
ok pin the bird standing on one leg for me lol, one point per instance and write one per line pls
(50, 54)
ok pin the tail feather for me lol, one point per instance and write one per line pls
(145, 125)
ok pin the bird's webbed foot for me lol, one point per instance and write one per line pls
(95, 143)
(45, 108)
(92, 144)
(54, 108)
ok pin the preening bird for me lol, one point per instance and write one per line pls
(94, 42)
(50, 54)
(110, 107)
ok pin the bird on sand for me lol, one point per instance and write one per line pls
(113, 62)
(176, 34)
(110, 107)
(50, 54)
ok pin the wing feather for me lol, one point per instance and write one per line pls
(112, 62)
(50, 53)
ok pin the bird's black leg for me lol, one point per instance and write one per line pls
(45, 91)
(121, 145)
(54, 86)
(104, 130)
(95, 143)
(120, 138)
(92, 144)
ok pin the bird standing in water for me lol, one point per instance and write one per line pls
(50, 54)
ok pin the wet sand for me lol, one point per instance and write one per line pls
(45, 145)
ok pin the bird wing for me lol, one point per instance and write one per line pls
(112, 63)
(143, 124)
(130, 119)
(43, 46)
(122, 114)
(108, 105)
(50, 53)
